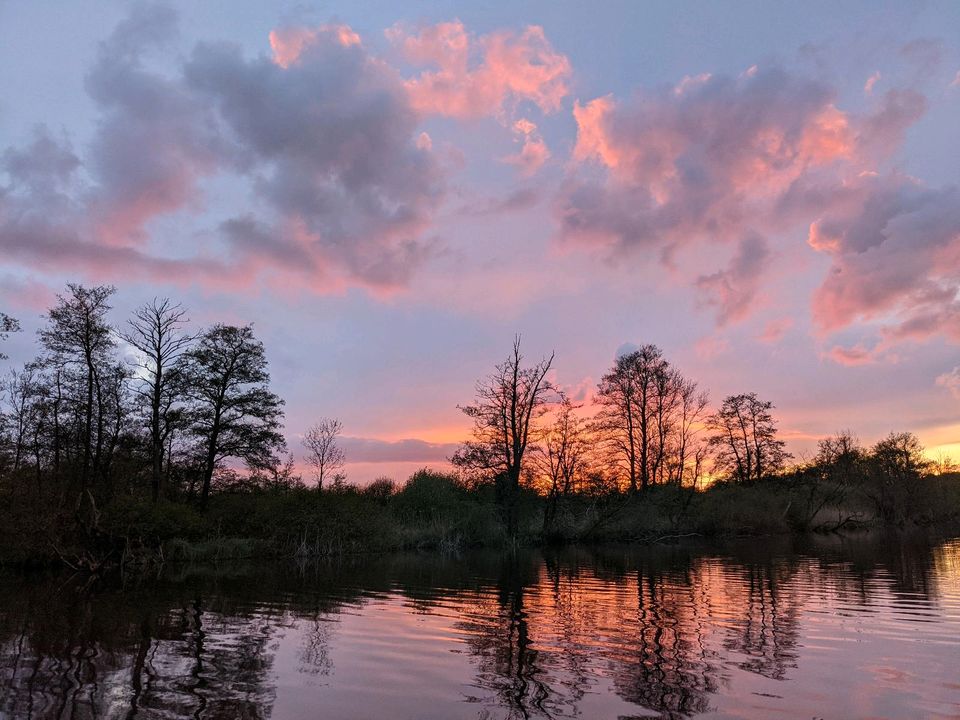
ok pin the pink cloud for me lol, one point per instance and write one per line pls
(713, 158)
(480, 76)
(774, 330)
(951, 381)
(289, 43)
(852, 356)
(895, 247)
(871, 82)
(722, 159)
(533, 151)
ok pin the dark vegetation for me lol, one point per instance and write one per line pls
(146, 442)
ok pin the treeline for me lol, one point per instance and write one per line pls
(83, 423)
(120, 434)
(650, 426)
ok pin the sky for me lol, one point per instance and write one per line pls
(391, 191)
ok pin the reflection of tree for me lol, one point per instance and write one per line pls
(664, 664)
(315, 654)
(769, 622)
(662, 627)
(81, 656)
(499, 635)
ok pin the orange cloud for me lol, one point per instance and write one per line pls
(475, 77)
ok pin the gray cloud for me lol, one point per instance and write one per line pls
(357, 449)
(328, 144)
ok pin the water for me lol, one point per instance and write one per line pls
(825, 628)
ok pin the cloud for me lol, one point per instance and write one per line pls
(360, 450)
(951, 381)
(625, 349)
(475, 77)
(333, 146)
(871, 82)
(895, 249)
(736, 160)
(289, 43)
(852, 356)
(731, 291)
(710, 157)
(155, 139)
(533, 150)
(514, 201)
(774, 330)
(323, 135)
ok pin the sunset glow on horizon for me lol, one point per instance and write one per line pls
(767, 193)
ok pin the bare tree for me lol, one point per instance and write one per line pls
(637, 398)
(323, 454)
(745, 439)
(563, 457)
(505, 418)
(21, 390)
(156, 331)
(79, 337)
(7, 326)
(689, 449)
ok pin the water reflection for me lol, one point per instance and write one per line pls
(839, 628)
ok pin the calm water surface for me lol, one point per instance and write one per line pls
(856, 628)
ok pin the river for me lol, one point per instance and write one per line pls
(834, 628)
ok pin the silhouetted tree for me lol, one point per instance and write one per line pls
(648, 419)
(745, 440)
(79, 342)
(156, 331)
(7, 326)
(234, 414)
(323, 454)
(563, 457)
(838, 468)
(897, 463)
(687, 450)
(505, 417)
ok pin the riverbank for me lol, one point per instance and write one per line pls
(434, 511)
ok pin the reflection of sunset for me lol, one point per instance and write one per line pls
(673, 632)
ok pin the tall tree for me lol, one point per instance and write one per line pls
(505, 417)
(689, 448)
(323, 454)
(744, 439)
(79, 339)
(234, 413)
(156, 331)
(632, 399)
